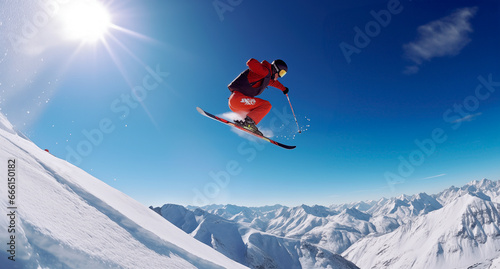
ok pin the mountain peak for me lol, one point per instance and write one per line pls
(353, 212)
(484, 183)
(316, 210)
(460, 234)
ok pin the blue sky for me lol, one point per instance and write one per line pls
(392, 96)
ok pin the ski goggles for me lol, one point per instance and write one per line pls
(281, 73)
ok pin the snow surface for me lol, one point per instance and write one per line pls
(68, 219)
(5, 125)
(249, 246)
(459, 235)
(323, 227)
(457, 228)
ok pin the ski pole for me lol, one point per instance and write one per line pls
(298, 128)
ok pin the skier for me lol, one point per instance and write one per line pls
(250, 83)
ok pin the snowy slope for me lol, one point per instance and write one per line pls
(244, 244)
(69, 219)
(463, 233)
(457, 228)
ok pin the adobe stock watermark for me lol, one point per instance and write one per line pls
(121, 106)
(373, 28)
(221, 179)
(47, 10)
(455, 116)
(223, 6)
(12, 194)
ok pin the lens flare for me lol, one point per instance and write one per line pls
(88, 21)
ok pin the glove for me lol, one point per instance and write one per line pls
(285, 91)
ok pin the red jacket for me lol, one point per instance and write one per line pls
(261, 70)
(255, 79)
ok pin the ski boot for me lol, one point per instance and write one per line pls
(248, 124)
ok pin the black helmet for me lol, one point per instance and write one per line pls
(280, 67)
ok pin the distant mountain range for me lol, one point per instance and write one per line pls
(457, 228)
(68, 219)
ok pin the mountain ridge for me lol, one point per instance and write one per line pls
(350, 229)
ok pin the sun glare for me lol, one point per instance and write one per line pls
(87, 21)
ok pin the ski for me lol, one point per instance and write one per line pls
(219, 119)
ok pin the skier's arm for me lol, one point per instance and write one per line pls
(256, 67)
(277, 84)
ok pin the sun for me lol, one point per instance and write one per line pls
(86, 20)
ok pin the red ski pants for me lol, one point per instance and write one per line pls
(255, 108)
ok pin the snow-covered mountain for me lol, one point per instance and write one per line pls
(457, 228)
(321, 226)
(239, 241)
(463, 233)
(65, 218)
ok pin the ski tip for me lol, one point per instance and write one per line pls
(201, 111)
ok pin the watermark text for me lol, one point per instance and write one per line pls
(11, 207)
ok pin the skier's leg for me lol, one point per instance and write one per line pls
(260, 110)
(255, 108)
(236, 105)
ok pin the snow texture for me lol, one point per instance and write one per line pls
(457, 228)
(464, 233)
(249, 246)
(65, 218)
(68, 219)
